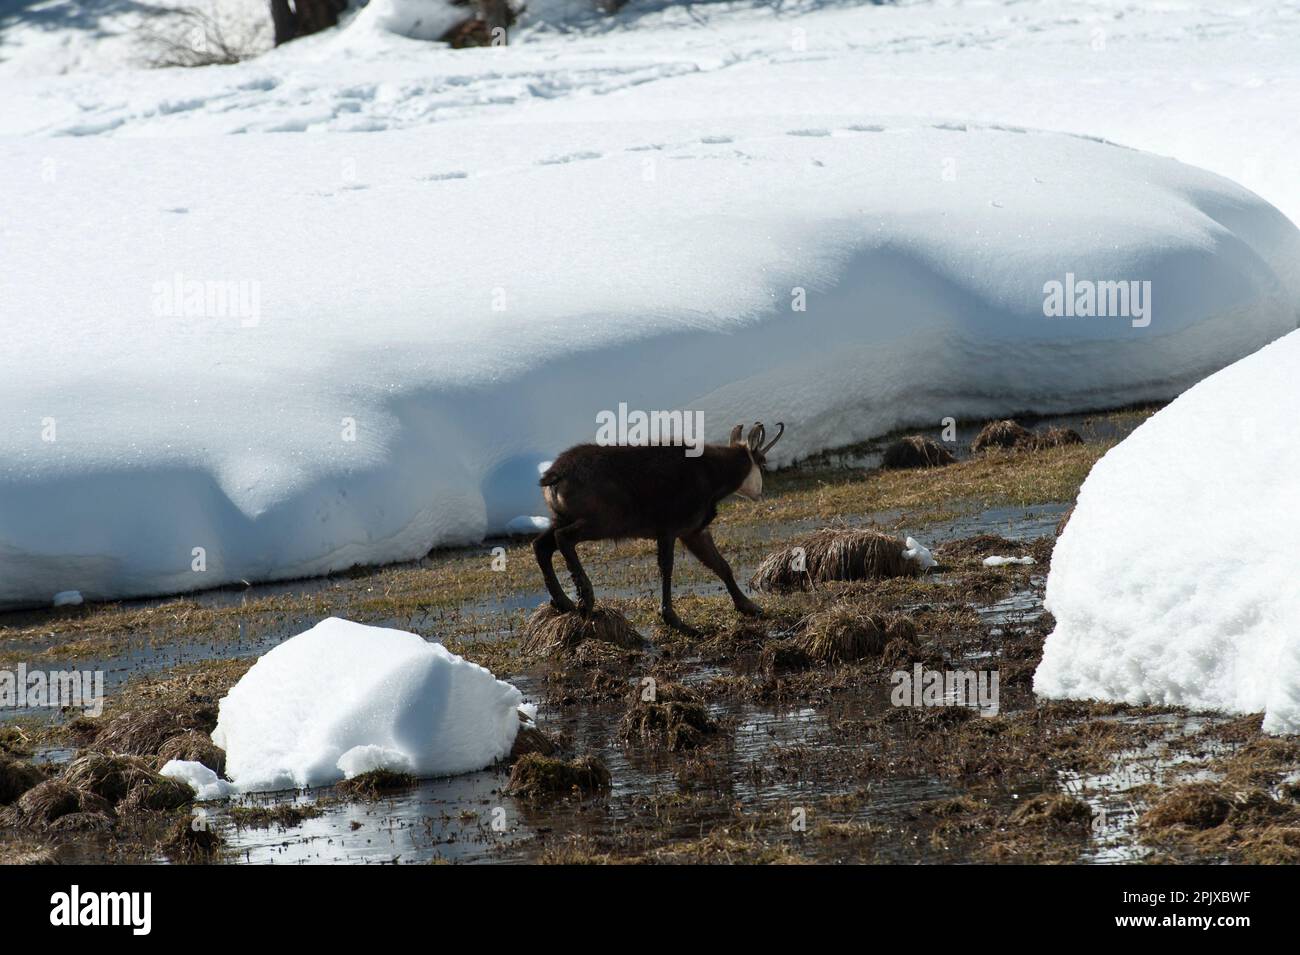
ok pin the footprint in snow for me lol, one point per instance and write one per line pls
(807, 132)
(570, 157)
(444, 176)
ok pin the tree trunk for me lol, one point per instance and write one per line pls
(306, 17)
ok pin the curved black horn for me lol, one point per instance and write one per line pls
(780, 430)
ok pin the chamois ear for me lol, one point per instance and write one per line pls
(755, 439)
(736, 432)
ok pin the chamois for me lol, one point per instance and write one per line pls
(600, 492)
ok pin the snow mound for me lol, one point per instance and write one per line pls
(205, 783)
(344, 698)
(1173, 582)
(183, 404)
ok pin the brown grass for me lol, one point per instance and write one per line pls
(545, 777)
(916, 451)
(1194, 806)
(676, 719)
(999, 434)
(1052, 438)
(16, 777)
(550, 631)
(834, 553)
(110, 777)
(186, 842)
(375, 783)
(1053, 809)
(843, 633)
(44, 803)
(530, 739)
(144, 730)
(159, 794)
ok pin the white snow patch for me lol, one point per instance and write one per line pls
(205, 783)
(1174, 581)
(996, 561)
(525, 524)
(67, 598)
(913, 550)
(414, 19)
(343, 698)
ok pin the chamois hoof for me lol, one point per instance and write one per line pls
(675, 622)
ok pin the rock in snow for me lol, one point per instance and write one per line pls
(344, 698)
(1174, 582)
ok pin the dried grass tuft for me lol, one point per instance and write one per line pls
(16, 777)
(834, 553)
(916, 451)
(676, 719)
(545, 777)
(999, 434)
(552, 632)
(142, 732)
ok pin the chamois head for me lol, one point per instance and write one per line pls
(752, 486)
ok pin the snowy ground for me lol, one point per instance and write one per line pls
(1172, 583)
(417, 314)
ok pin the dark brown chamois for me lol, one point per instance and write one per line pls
(599, 492)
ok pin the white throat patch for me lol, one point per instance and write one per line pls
(752, 486)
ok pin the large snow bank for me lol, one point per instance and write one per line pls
(1174, 581)
(192, 394)
(343, 698)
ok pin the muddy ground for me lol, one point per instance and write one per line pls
(752, 752)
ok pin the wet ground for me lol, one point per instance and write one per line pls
(811, 764)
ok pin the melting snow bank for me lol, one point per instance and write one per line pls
(1174, 580)
(185, 403)
(343, 698)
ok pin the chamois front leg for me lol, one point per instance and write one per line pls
(706, 552)
(566, 538)
(544, 548)
(666, 545)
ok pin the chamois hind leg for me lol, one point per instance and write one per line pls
(565, 538)
(544, 547)
(666, 610)
(706, 552)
